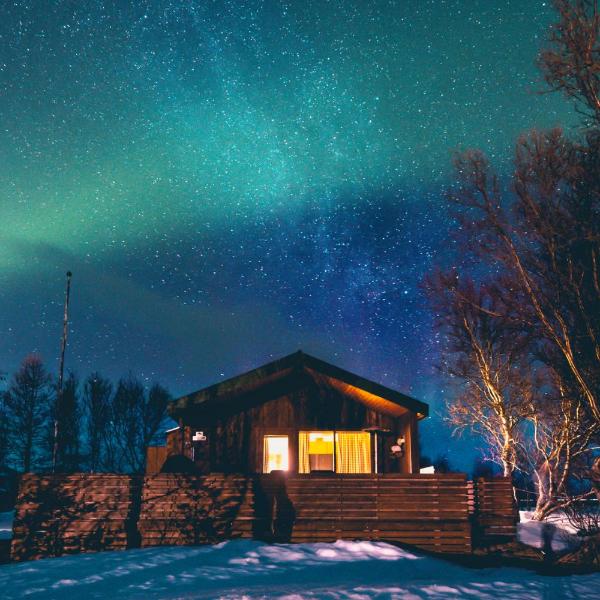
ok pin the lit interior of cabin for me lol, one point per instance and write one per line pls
(333, 451)
(276, 453)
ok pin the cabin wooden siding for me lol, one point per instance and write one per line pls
(235, 441)
(155, 459)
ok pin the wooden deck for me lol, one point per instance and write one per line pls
(59, 514)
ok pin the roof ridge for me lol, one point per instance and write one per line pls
(233, 386)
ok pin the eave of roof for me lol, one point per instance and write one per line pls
(280, 368)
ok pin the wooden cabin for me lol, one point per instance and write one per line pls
(297, 414)
(297, 450)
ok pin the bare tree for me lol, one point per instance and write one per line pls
(547, 247)
(539, 242)
(4, 434)
(126, 424)
(558, 449)
(572, 64)
(485, 352)
(97, 394)
(135, 420)
(27, 403)
(155, 409)
(68, 416)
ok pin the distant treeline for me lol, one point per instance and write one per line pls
(93, 425)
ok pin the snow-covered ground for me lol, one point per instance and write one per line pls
(245, 569)
(555, 530)
(6, 521)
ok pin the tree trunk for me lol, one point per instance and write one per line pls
(543, 507)
(27, 451)
(595, 477)
(546, 502)
(507, 457)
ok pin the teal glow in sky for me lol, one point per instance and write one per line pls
(230, 181)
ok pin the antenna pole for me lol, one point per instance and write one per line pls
(61, 369)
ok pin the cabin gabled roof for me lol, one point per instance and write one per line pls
(273, 375)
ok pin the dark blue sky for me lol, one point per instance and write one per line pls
(232, 181)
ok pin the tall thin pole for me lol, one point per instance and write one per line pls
(61, 368)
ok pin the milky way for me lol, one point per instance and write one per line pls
(232, 181)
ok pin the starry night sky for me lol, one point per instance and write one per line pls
(232, 181)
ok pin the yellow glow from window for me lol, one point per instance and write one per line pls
(276, 453)
(351, 452)
(320, 442)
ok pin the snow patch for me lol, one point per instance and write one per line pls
(555, 531)
(251, 570)
(6, 524)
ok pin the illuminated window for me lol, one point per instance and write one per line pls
(320, 450)
(351, 452)
(315, 451)
(276, 451)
